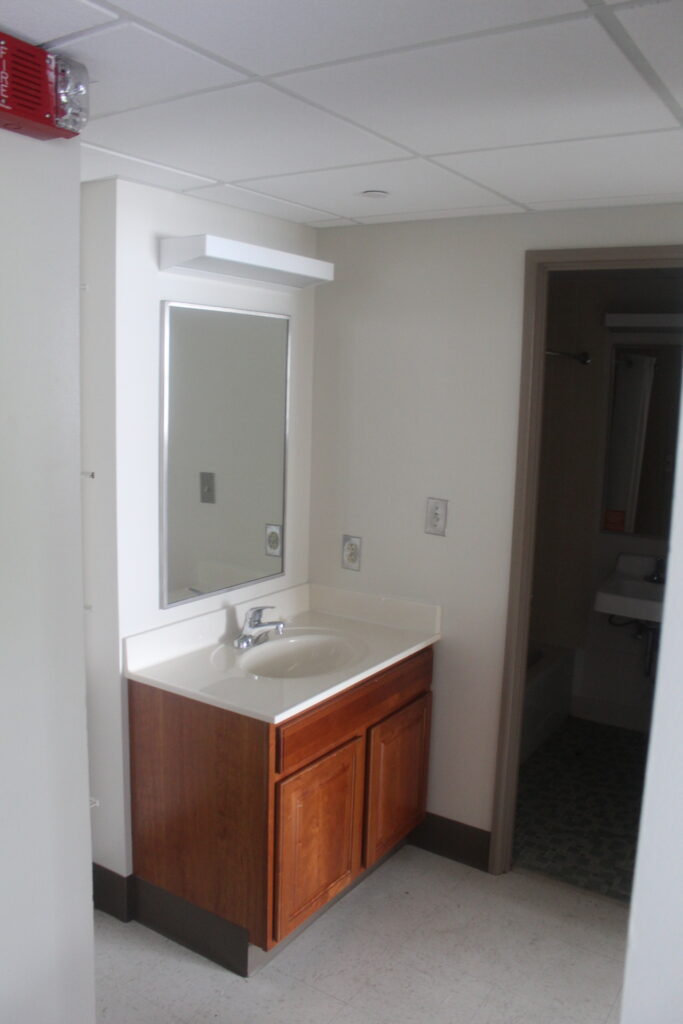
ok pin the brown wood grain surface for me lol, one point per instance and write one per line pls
(319, 834)
(201, 804)
(397, 777)
(322, 728)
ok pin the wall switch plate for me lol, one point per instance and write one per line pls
(351, 552)
(207, 488)
(436, 515)
(273, 539)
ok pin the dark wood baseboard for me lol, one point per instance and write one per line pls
(128, 898)
(454, 840)
(113, 893)
(215, 938)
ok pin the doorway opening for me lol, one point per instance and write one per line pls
(579, 681)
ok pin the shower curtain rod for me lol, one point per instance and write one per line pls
(584, 358)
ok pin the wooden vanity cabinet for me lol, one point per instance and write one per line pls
(263, 824)
(396, 777)
(319, 834)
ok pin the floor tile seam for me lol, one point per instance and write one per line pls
(282, 998)
(578, 901)
(129, 1001)
(321, 992)
(503, 995)
(203, 1004)
(448, 990)
(309, 984)
(127, 974)
(557, 934)
(399, 918)
(537, 994)
(461, 930)
(615, 957)
(388, 909)
(537, 921)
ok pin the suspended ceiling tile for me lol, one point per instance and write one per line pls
(566, 80)
(412, 185)
(658, 32)
(244, 199)
(269, 36)
(243, 132)
(130, 66)
(630, 165)
(101, 163)
(41, 20)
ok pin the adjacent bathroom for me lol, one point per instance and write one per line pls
(608, 442)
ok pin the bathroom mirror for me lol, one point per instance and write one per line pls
(641, 438)
(224, 417)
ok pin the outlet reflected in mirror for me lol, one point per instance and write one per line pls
(224, 416)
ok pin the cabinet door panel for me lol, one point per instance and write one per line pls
(319, 834)
(397, 777)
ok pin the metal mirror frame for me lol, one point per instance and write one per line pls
(166, 306)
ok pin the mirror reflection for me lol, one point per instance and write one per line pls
(224, 408)
(641, 442)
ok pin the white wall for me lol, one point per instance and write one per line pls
(46, 968)
(418, 351)
(122, 224)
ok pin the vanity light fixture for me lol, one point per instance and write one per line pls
(214, 255)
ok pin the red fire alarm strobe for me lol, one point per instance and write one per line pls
(42, 94)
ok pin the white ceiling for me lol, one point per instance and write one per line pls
(295, 108)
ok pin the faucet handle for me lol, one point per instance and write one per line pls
(254, 616)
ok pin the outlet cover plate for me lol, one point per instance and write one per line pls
(435, 516)
(351, 552)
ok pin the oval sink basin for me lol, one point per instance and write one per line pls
(300, 654)
(630, 598)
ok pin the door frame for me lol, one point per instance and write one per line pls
(539, 264)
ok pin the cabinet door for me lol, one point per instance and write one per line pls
(319, 834)
(397, 777)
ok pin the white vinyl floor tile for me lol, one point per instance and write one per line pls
(422, 939)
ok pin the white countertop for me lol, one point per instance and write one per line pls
(215, 674)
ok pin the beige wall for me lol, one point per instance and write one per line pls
(46, 933)
(418, 351)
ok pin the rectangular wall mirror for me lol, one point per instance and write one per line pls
(224, 432)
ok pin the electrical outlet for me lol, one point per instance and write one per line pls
(436, 515)
(351, 552)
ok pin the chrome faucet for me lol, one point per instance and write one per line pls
(255, 630)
